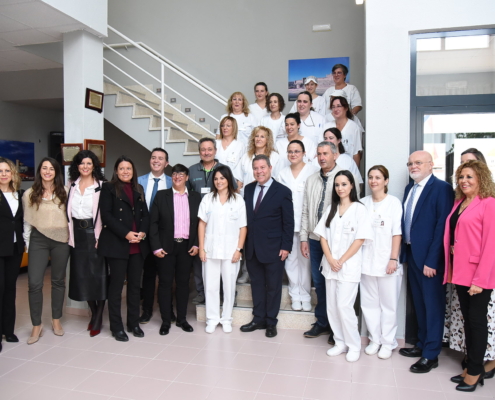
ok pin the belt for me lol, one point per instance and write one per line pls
(83, 223)
(179, 240)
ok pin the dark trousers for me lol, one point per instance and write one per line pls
(150, 272)
(315, 256)
(266, 287)
(9, 270)
(119, 269)
(429, 303)
(474, 311)
(176, 264)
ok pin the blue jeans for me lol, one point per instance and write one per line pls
(316, 254)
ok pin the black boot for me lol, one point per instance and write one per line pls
(96, 329)
(93, 308)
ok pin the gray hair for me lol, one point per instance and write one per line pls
(333, 148)
(207, 139)
(262, 157)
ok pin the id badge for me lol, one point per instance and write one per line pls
(378, 223)
(205, 190)
(348, 229)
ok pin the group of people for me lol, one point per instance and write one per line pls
(278, 193)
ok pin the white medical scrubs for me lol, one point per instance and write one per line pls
(309, 146)
(277, 126)
(231, 156)
(345, 161)
(244, 170)
(351, 136)
(257, 112)
(245, 125)
(312, 127)
(318, 104)
(353, 98)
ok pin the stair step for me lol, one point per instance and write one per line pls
(110, 88)
(244, 293)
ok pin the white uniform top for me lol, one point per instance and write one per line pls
(257, 112)
(245, 126)
(353, 98)
(232, 155)
(277, 126)
(385, 217)
(343, 231)
(309, 146)
(345, 161)
(223, 223)
(351, 137)
(318, 104)
(313, 127)
(244, 170)
(297, 185)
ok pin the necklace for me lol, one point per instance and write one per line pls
(464, 205)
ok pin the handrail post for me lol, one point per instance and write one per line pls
(162, 92)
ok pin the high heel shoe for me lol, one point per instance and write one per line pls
(490, 374)
(34, 339)
(58, 332)
(457, 379)
(464, 387)
(90, 326)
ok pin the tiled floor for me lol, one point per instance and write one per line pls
(199, 366)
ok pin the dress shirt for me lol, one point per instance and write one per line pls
(181, 214)
(82, 204)
(162, 185)
(257, 190)
(13, 204)
(417, 195)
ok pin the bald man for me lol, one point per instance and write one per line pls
(427, 203)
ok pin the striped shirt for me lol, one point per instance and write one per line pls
(181, 214)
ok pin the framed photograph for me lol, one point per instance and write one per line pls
(94, 100)
(69, 150)
(22, 155)
(98, 147)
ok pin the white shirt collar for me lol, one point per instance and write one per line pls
(267, 183)
(176, 191)
(151, 177)
(424, 181)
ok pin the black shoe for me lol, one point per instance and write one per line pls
(184, 326)
(271, 331)
(11, 338)
(331, 340)
(423, 365)
(457, 379)
(488, 375)
(173, 318)
(411, 352)
(0, 346)
(252, 326)
(316, 331)
(464, 387)
(136, 331)
(120, 336)
(145, 317)
(164, 329)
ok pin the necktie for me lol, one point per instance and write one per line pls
(155, 189)
(258, 201)
(408, 219)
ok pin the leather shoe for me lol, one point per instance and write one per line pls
(164, 329)
(252, 326)
(457, 379)
(11, 338)
(464, 387)
(120, 336)
(488, 375)
(271, 331)
(423, 365)
(145, 317)
(136, 331)
(184, 326)
(316, 331)
(411, 352)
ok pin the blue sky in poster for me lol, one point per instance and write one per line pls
(22, 151)
(318, 67)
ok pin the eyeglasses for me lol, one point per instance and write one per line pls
(417, 163)
(337, 73)
(178, 175)
(290, 152)
(335, 107)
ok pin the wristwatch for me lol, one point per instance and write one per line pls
(239, 250)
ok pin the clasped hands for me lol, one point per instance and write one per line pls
(135, 237)
(336, 265)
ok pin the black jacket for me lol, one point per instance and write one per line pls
(117, 216)
(9, 224)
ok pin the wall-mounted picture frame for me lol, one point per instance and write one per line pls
(22, 155)
(94, 100)
(98, 147)
(69, 150)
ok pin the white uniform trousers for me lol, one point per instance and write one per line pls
(341, 297)
(212, 270)
(298, 272)
(379, 300)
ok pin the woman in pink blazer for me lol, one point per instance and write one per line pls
(88, 272)
(470, 263)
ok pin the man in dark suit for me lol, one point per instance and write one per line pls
(270, 221)
(174, 240)
(427, 203)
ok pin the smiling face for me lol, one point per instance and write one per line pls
(338, 76)
(207, 152)
(124, 171)
(329, 136)
(338, 110)
(295, 153)
(220, 182)
(86, 167)
(158, 162)
(343, 186)
(5, 174)
(237, 104)
(260, 140)
(227, 129)
(420, 165)
(47, 172)
(261, 171)
(377, 181)
(179, 180)
(291, 127)
(260, 93)
(273, 104)
(311, 87)
(468, 182)
(326, 159)
(303, 104)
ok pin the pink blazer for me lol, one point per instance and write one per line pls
(474, 245)
(96, 199)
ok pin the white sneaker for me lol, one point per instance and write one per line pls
(335, 351)
(210, 328)
(352, 356)
(296, 306)
(227, 328)
(372, 348)
(384, 353)
(244, 278)
(306, 306)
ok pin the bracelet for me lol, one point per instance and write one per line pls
(394, 259)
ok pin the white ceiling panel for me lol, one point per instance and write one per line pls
(30, 36)
(7, 24)
(5, 45)
(58, 31)
(4, 2)
(22, 57)
(36, 14)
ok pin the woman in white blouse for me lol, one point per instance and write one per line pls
(343, 160)
(339, 75)
(221, 233)
(381, 272)
(237, 107)
(296, 265)
(275, 119)
(229, 149)
(343, 229)
(88, 272)
(259, 108)
(312, 123)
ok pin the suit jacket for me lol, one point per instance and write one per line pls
(9, 224)
(271, 229)
(144, 179)
(117, 216)
(474, 251)
(162, 220)
(428, 223)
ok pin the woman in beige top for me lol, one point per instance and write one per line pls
(46, 234)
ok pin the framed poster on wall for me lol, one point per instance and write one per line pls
(22, 155)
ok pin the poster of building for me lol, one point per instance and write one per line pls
(22, 154)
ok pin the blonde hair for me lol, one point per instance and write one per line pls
(485, 179)
(269, 141)
(15, 183)
(234, 126)
(245, 105)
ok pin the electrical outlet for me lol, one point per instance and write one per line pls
(202, 119)
(158, 90)
(187, 110)
(173, 100)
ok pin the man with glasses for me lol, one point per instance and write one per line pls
(427, 203)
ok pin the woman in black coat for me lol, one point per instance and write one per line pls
(11, 245)
(125, 219)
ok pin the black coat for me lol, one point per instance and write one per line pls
(162, 220)
(9, 224)
(117, 216)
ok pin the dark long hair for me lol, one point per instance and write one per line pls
(118, 184)
(36, 195)
(305, 92)
(227, 174)
(338, 135)
(344, 103)
(77, 160)
(335, 197)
